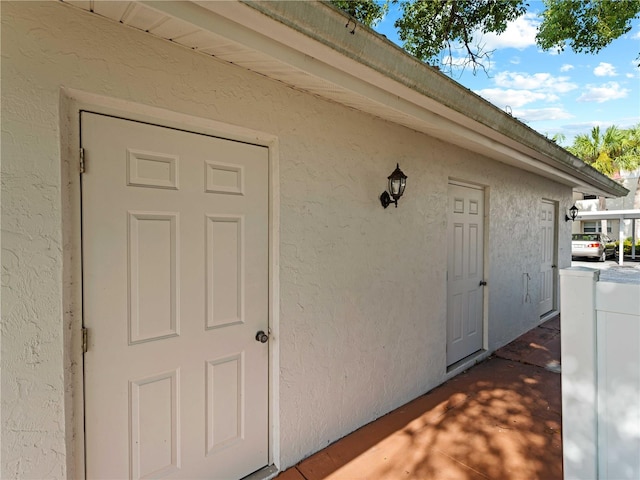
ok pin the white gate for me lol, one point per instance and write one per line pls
(600, 332)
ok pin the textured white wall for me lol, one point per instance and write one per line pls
(362, 318)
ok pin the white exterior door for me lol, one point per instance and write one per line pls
(547, 256)
(175, 286)
(465, 272)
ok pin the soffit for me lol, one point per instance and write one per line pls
(283, 41)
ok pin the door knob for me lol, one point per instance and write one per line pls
(482, 283)
(262, 337)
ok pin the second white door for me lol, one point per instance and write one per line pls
(175, 282)
(547, 256)
(465, 272)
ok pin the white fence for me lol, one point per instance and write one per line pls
(600, 332)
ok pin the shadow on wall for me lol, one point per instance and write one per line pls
(500, 420)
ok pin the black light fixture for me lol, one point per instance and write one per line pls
(397, 182)
(573, 213)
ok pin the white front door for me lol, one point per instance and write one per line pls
(465, 272)
(175, 288)
(547, 256)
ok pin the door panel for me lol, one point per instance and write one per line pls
(175, 285)
(547, 256)
(465, 271)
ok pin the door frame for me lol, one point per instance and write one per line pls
(556, 274)
(455, 368)
(72, 102)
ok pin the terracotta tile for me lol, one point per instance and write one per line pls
(553, 324)
(415, 415)
(441, 466)
(501, 420)
(290, 474)
(554, 347)
(537, 347)
(413, 465)
(544, 356)
(324, 463)
(500, 445)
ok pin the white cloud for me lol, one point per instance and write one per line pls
(537, 81)
(605, 70)
(553, 51)
(457, 61)
(514, 98)
(584, 127)
(517, 89)
(566, 67)
(603, 93)
(519, 34)
(542, 114)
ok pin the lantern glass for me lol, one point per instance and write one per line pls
(397, 183)
(394, 186)
(573, 211)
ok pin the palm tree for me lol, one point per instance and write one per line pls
(632, 148)
(609, 153)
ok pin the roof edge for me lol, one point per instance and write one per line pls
(324, 23)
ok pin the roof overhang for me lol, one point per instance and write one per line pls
(307, 46)
(609, 215)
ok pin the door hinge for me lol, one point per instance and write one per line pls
(81, 160)
(85, 338)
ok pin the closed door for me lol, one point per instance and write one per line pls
(175, 287)
(548, 280)
(465, 272)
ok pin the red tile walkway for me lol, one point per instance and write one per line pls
(500, 419)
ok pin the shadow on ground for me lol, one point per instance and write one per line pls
(500, 420)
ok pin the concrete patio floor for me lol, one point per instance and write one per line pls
(501, 419)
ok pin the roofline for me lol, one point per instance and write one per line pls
(311, 37)
(378, 53)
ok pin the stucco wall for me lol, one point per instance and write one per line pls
(362, 289)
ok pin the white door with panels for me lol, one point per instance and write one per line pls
(175, 291)
(465, 272)
(548, 270)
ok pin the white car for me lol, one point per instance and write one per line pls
(592, 245)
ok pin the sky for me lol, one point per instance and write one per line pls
(553, 92)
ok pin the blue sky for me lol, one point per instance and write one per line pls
(553, 92)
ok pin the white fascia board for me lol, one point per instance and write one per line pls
(609, 214)
(311, 37)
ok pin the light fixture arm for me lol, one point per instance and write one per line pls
(385, 200)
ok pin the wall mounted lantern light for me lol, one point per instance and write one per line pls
(397, 182)
(573, 213)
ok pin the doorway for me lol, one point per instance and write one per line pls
(465, 271)
(548, 268)
(175, 290)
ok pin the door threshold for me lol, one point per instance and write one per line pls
(466, 362)
(265, 473)
(549, 315)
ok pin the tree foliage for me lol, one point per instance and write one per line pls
(611, 151)
(429, 28)
(588, 26)
(369, 12)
